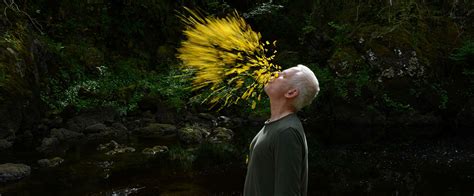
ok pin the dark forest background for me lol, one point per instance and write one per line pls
(378, 62)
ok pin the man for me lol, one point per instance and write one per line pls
(278, 157)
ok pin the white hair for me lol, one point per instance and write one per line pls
(307, 84)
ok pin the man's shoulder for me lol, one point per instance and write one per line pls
(293, 122)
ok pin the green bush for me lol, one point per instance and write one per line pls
(464, 57)
(120, 87)
(348, 88)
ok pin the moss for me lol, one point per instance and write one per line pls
(14, 60)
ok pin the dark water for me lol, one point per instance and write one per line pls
(87, 171)
(343, 160)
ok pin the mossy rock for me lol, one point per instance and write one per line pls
(345, 61)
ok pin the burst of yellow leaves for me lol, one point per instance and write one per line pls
(227, 56)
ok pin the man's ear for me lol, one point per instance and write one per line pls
(292, 93)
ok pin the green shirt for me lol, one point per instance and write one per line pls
(278, 160)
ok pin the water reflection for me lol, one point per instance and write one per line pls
(357, 162)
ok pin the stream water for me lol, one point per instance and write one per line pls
(346, 165)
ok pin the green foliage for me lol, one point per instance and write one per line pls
(464, 57)
(442, 94)
(13, 57)
(121, 88)
(348, 88)
(403, 12)
(341, 35)
(465, 53)
(391, 104)
(115, 53)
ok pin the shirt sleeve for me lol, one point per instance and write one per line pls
(288, 154)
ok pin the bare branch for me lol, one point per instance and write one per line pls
(14, 7)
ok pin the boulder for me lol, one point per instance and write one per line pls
(54, 162)
(119, 126)
(107, 134)
(120, 150)
(193, 134)
(155, 150)
(11, 171)
(113, 148)
(100, 131)
(81, 122)
(221, 135)
(157, 131)
(224, 121)
(95, 128)
(53, 146)
(207, 116)
(63, 134)
(108, 146)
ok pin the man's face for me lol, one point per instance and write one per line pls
(277, 87)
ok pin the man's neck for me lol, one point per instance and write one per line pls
(280, 110)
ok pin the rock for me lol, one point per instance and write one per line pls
(79, 123)
(88, 118)
(47, 124)
(119, 126)
(224, 121)
(221, 135)
(120, 150)
(95, 128)
(157, 130)
(107, 146)
(54, 162)
(114, 148)
(207, 116)
(155, 150)
(108, 134)
(11, 171)
(48, 145)
(100, 131)
(190, 117)
(4, 144)
(63, 134)
(194, 134)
